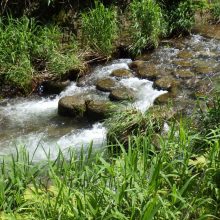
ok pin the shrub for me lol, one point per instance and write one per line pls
(181, 17)
(215, 10)
(24, 43)
(147, 24)
(99, 28)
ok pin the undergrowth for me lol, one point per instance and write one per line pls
(141, 182)
(24, 43)
(99, 29)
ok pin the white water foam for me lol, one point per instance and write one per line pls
(42, 110)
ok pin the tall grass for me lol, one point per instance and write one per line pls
(23, 43)
(141, 182)
(99, 28)
(215, 10)
(147, 24)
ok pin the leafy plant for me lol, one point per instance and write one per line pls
(215, 10)
(99, 28)
(181, 18)
(147, 24)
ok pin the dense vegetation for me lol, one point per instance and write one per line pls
(33, 44)
(177, 178)
(142, 173)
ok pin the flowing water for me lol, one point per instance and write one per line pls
(33, 122)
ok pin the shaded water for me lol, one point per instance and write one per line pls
(34, 121)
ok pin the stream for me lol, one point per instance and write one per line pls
(33, 122)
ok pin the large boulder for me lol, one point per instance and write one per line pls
(121, 73)
(72, 106)
(106, 84)
(121, 94)
(98, 109)
(166, 83)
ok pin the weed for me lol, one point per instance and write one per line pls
(147, 24)
(99, 28)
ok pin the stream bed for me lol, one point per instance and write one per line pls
(33, 122)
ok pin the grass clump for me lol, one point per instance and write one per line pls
(215, 10)
(99, 29)
(147, 24)
(140, 183)
(26, 49)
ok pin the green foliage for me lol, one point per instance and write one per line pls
(23, 41)
(182, 17)
(147, 24)
(141, 182)
(215, 10)
(99, 29)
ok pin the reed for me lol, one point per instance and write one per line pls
(142, 182)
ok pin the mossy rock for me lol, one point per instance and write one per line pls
(121, 73)
(131, 123)
(99, 109)
(122, 94)
(183, 74)
(184, 54)
(53, 87)
(183, 63)
(136, 64)
(147, 71)
(166, 83)
(72, 106)
(203, 69)
(165, 98)
(106, 84)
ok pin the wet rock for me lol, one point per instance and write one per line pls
(72, 106)
(166, 83)
(183, 63)
(121, 73)
(99, 109)
(106, 84)
(147, 71)
(165, 98)
(203, 68)
(184, 54)
(121, 94)
(136, 64)
(183, 74)
(52, 87)
(203, 89)
(73, 74)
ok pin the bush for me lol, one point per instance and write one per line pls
(147, 24)
(215, 10)
(24, 43)
(99, 29)
(181, 17)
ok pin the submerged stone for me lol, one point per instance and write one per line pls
(106, 84)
